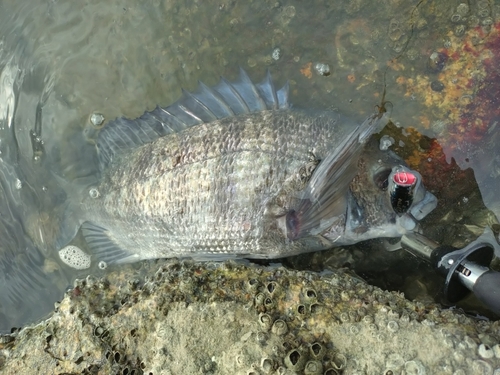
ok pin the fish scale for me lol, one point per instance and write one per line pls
(262, 180)
(193, 183)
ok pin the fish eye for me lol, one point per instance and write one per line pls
(381, 179)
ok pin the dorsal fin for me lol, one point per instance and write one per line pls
(206, 104)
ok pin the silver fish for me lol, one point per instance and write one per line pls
(233, 171)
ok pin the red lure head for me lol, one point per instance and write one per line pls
(401, 192)
(404, 178)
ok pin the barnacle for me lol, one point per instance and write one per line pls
(279, 327)
(313, 368)
(276, 341)
(317, 350)
(265, 321)
(295, 360)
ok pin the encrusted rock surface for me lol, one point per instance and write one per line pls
(233, 318)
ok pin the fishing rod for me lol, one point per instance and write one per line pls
(466, 270)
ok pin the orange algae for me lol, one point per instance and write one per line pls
(469, 101)
(306, 70)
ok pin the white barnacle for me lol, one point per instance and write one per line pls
(322, 69)
(97, 119)
(276, 54)
(386, 142)
(94, 193)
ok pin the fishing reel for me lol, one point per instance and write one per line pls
(465, 270)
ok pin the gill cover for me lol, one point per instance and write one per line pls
(324, 199)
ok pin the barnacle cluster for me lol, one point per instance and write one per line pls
(233, 318)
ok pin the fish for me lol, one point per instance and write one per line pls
(234, 171)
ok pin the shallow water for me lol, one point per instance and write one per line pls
(62, 61)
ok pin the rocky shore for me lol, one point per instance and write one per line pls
(238, 318)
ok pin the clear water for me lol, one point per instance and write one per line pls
(62, 61)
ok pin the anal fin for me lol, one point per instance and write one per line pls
(103, 247)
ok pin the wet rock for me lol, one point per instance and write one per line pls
(228, 318)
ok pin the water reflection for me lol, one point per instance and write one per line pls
(61, 61)
(29, 283)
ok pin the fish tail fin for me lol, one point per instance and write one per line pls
(25, 282)
(103, 248)
(325, 197)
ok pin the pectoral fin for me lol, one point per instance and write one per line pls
(325, 197)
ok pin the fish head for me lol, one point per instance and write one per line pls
(385, 198)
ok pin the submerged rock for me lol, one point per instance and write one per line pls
(235, 318)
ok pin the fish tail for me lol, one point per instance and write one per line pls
(100, 242)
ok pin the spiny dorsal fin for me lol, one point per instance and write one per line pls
(206, 104)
